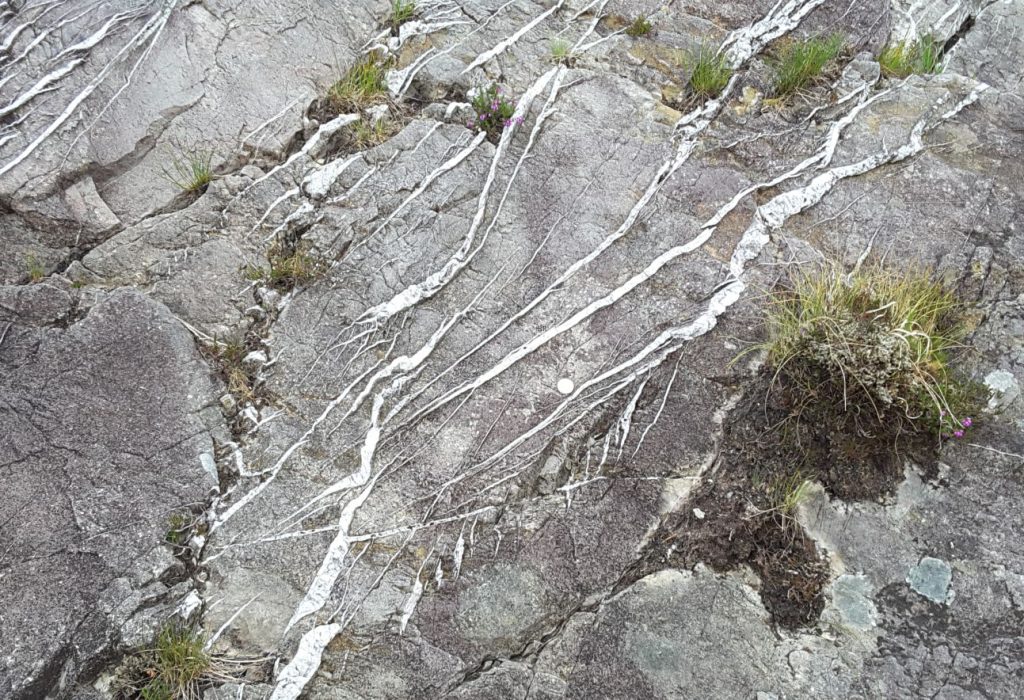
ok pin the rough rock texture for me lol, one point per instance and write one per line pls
(104, 414)
(454, 442)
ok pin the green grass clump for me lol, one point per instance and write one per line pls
(240, 379)
(877, 343)
(787, 493)
(401, 12)
(190, 172)
(368, 133)
(363, 86)
(798, 64)
(710, 73)
(639, 27)
(923, 56)
(561, 51)
(175, 668)
(36, 271)
(178, 526)
(292, 265)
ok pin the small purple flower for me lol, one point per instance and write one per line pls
(967, 422)
(958, 433)
(941, 413)
(483, 117)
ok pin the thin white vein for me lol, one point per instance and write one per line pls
(268, 122)
(149, 33)
(661, 409)
(227, 623)
(41, 86)
(414, 597)
(310, 148)
(744, 43)
(767, 218)
(426, 182)
(626, 419)
(822, 157)
(502, 46)
(438, 280)
(283, 459)
(98, 36)
(402, 369)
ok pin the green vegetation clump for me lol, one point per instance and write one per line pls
(561, 51)
(401, 12)
(178, 526)
(36, 271)
(495, 111)
(639, 27)
(798, 64)
(177, 667)
(710, 73)
(191, 172)
(923, 56)
(370, 133)
(787, 493)
(878, 345)
(362, 87)
(292, 263)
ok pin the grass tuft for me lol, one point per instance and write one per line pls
(290, 266)
(786, 493)
(362, 87)
(879, 342)
(367, 133)
(401, 12)
(710, 73)
(923, 56)
(190, 173)
(175, 668)
(639, 27)
(178, 526)
(798, 64)
(561, 51)
(229, 357)
(35, 269)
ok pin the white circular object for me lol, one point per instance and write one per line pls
(565, 386)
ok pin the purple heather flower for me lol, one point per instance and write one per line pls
(482, 117)
(967, 422)
(958, 433)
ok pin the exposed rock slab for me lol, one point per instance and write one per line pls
(518, 356)
(104, 416)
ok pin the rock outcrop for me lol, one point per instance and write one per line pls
(431, 397)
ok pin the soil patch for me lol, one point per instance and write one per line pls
(776, 441)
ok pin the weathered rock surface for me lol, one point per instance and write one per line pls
(515, 359)
(105, 412)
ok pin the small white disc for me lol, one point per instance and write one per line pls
(565, 386)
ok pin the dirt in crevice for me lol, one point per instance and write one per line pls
(776, 441)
